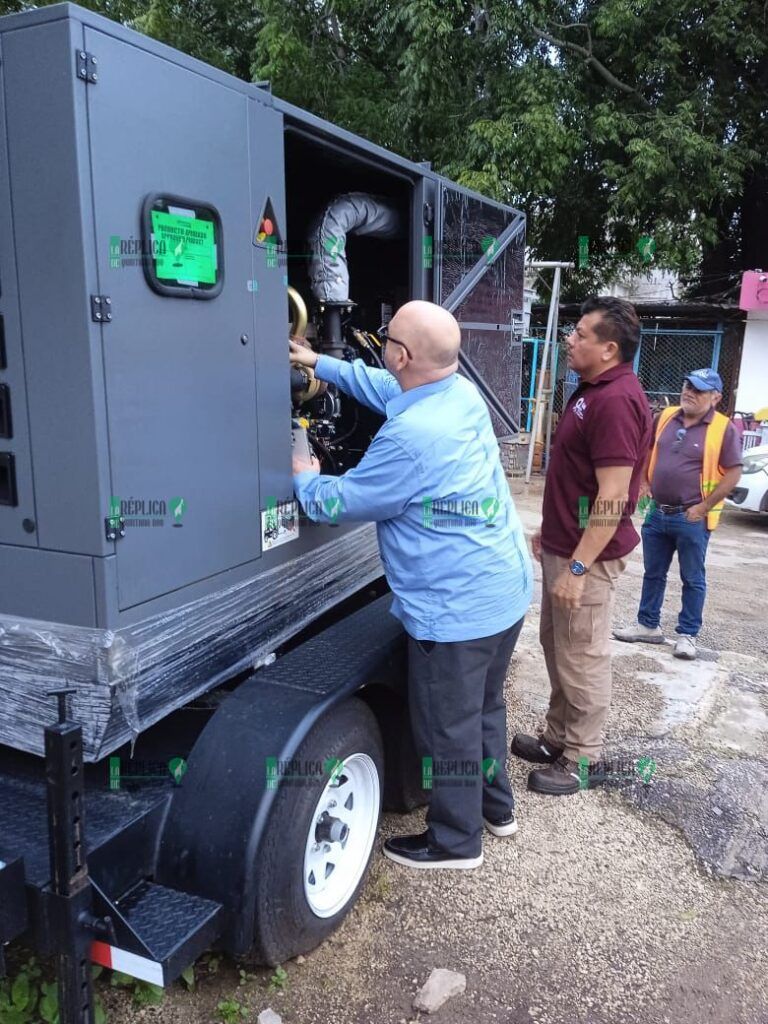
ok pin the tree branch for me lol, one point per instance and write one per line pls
(591, 61)
(330, 17)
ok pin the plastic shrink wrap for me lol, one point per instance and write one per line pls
(126, 680)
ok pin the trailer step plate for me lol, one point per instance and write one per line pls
(173, 928)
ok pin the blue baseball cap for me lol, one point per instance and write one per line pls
(705, 380)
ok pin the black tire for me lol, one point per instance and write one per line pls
(285, 924)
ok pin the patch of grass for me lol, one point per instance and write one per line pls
(379, 887)
(279, 980)
(231, 1011)
(210, 962)
(144, 993)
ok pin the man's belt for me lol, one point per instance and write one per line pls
(673, 510)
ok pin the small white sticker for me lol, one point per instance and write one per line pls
(279, 523)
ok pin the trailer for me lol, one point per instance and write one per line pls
(202, 692)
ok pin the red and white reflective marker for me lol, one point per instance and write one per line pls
(127, 963)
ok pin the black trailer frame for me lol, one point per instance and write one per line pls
(127, 879)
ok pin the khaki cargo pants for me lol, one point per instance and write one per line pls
(578, 656)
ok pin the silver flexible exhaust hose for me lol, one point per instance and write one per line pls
(353, 213)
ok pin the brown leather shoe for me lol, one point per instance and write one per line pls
(560, 779)
(565, 777)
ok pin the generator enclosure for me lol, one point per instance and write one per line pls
(154, 212)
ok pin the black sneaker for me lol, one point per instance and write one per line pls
(506, 826)
(535, 748)
(417, 852)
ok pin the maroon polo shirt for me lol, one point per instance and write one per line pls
(607, 422)
(680, 459)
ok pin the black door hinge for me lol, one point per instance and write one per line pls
(86, 65)
(428, 214)
(114, 527)
(101, 309)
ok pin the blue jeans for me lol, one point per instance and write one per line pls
(663, 535)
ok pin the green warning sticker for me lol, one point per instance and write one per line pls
(184, 248)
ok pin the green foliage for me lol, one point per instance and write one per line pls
(631, 119)
(212, 962)
(231, 1011)
(20, 995)
(607, 118)
(29, 998)
(49, 1003)
(144, 992)
(279, 980)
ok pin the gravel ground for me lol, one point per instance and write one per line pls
(627, 904)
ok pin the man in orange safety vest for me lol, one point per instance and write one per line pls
(694, 463)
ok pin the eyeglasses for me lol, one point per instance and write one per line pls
(384, 337)
(679, 438)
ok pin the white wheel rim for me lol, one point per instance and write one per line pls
(348, 808)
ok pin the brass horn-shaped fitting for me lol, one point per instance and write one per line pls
(299, 321)
(299, 316)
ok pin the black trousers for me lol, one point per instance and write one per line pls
(458, 717)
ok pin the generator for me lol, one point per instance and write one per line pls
(165, 228)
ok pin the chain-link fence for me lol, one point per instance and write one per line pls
(666, 354)
(533, 353)
(663, 359)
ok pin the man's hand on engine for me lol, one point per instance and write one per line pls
(302, 465)
(301, 354)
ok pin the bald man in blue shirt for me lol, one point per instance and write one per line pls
(455, 558)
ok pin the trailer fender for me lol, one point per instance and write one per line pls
(219, 814)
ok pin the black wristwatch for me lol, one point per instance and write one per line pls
(577, 568)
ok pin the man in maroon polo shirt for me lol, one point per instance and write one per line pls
(593, 480)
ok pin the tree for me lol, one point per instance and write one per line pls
(613, 119)
(674, 96)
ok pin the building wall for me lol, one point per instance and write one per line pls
(753, 374)
(654, 286)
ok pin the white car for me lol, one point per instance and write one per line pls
(751, 492)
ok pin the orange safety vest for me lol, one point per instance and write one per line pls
(711, 470)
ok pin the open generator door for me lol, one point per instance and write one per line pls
(479, 265)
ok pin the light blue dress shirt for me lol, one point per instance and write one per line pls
(451, 542)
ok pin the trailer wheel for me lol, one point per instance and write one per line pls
(319, 840)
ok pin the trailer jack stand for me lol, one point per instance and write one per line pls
(69, 897)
